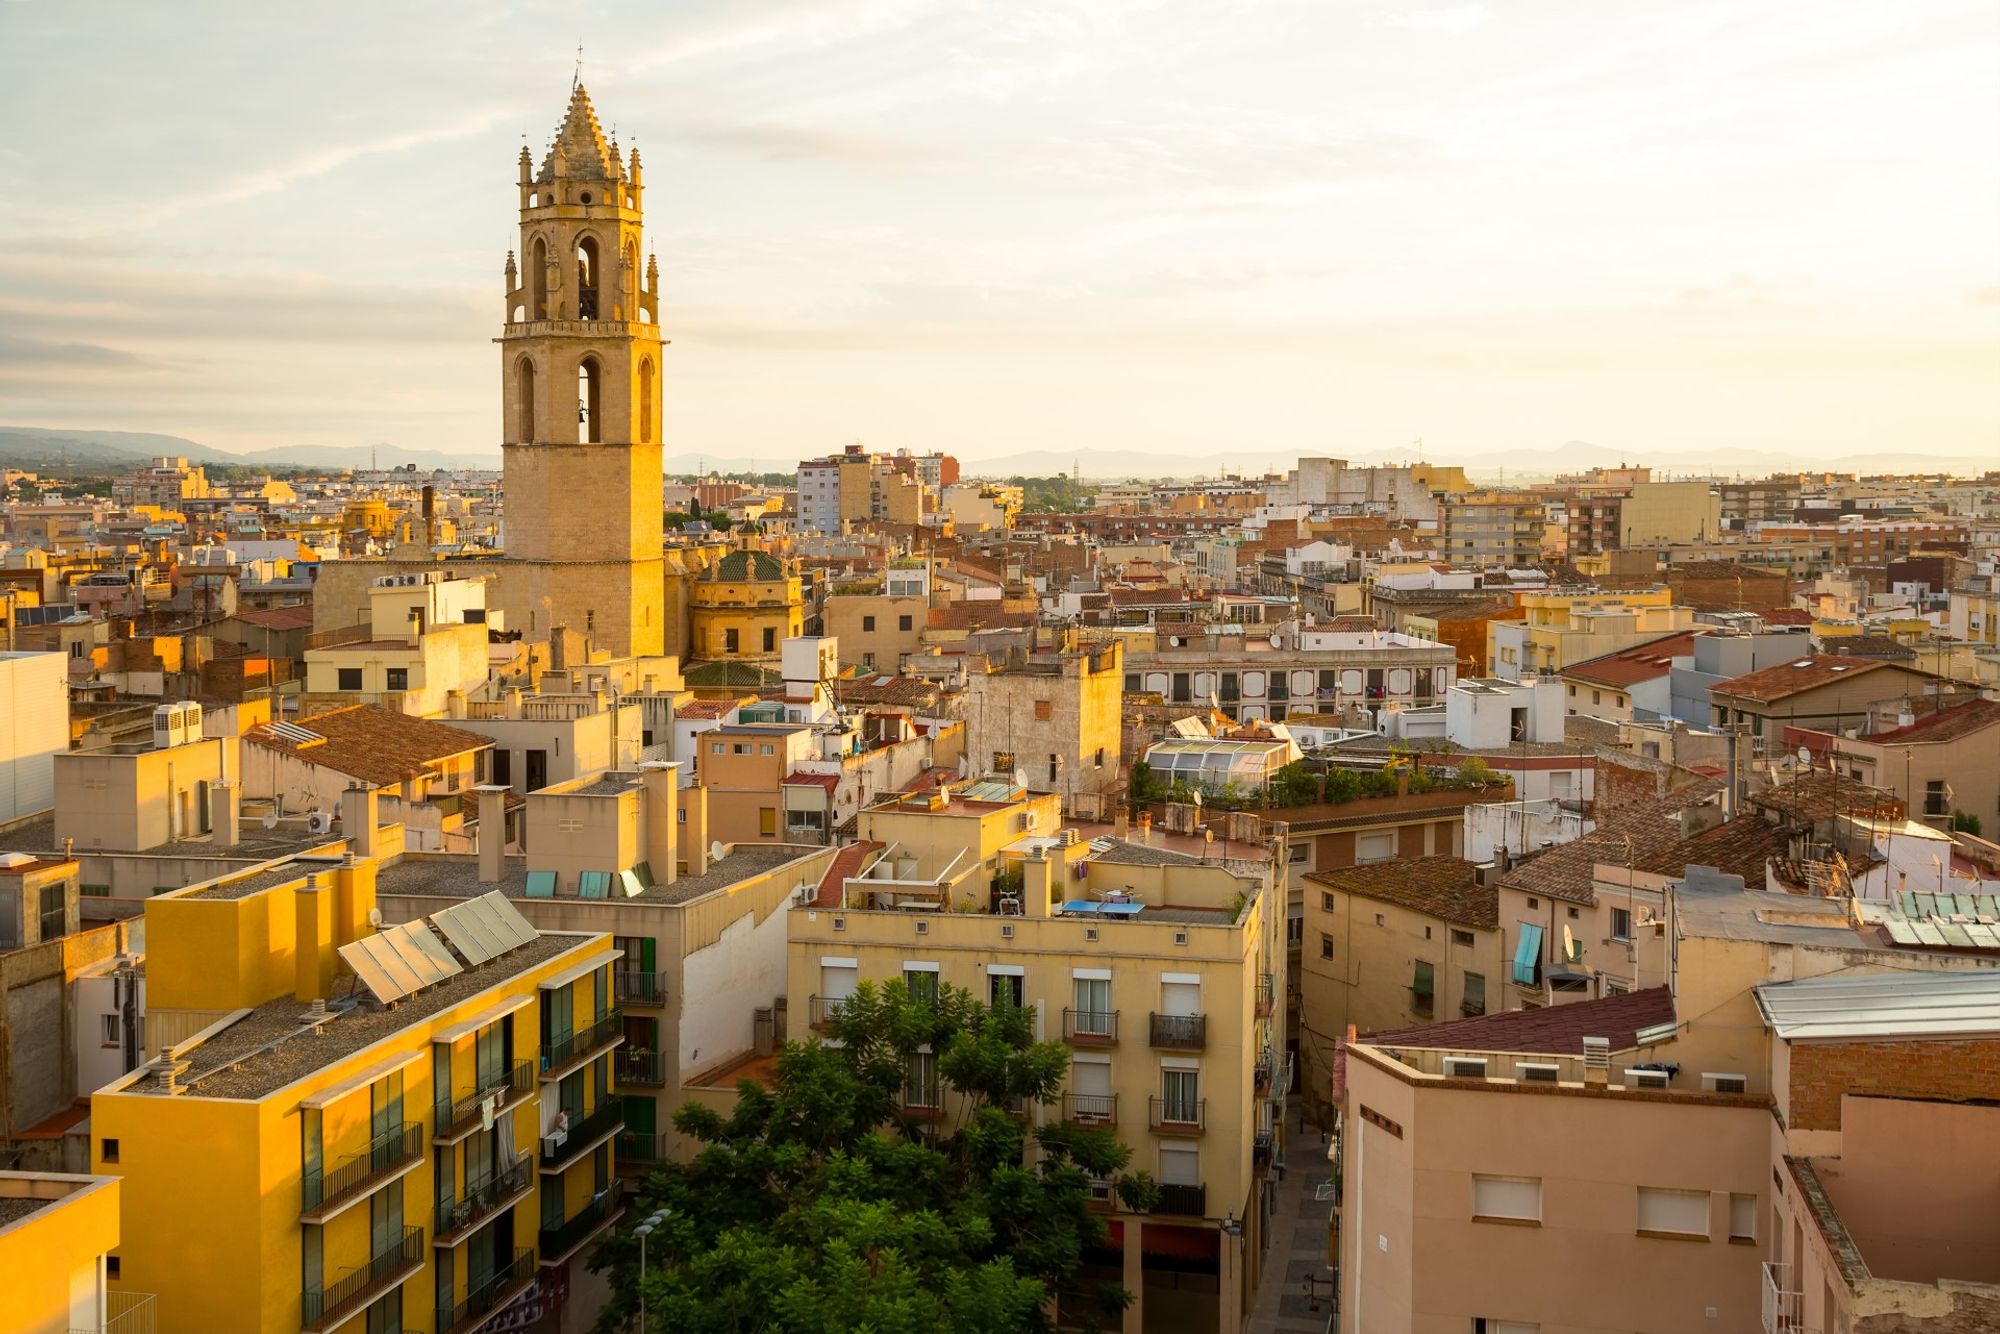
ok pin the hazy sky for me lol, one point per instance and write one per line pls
(1225, 229)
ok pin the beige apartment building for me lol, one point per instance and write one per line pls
(1156, 968)
(1939, 764)
(1494, 530)
(137, 795)
(1054, 717)
(425, 638)
(743, 767)
(880, 624)
(1822, 692)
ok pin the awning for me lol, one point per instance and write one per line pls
(1527, 954)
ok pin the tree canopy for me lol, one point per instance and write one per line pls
(883, 1182)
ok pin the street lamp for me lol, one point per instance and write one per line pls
(643, 1231)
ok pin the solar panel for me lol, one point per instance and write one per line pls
(541, 884)
(520, 928)
(295, 734)
(458, 930)
(427, 941)
(397, 941)
(479, 917)
(594, 885)
(634, 885)
(380, 984)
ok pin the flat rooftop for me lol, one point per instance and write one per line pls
(243, 886)
(254, 842)
(458, 876)
(269, 1048)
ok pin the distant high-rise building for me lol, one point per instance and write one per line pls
(855, 486)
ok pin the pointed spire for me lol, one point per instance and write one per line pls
(579, 144)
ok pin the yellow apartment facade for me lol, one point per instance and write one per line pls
(1156, 968)
(402, 1150)
(56, 1232)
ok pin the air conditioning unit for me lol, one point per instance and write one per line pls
(1537, 1072)
(1465, 1067)
(1646, 1079)
(319, 822)
(1714, 1083)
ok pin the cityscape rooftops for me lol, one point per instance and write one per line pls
(377, 745)
(1547, 1030)
(1883, 1005)
(458, 876)
(1444, 887)
(1791, 678)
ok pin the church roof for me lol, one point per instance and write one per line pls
(580, 152)
(747, 566)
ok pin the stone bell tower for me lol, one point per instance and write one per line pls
(580, 373)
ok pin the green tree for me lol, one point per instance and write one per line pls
(832, 1201)
(1294, 785)
(1965, 822)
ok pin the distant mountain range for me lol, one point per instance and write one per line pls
(56, 447)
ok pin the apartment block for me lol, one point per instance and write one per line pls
(425, 637)
(1159, 971)
(57, 1231)
(34, 729)
(1291, 669)
(1053, 716)
(1494, 530)
(855, 487)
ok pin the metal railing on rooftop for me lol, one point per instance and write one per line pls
(125, 1313)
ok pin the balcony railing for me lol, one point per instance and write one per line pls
(581, 1134)
(503, 1287)
(376, 1163)
(1178, 1116)
(821, 1011)
(1784, 1312)
(1090, 1109)
(1266, 995)
(641, 1148)
(559, 1056)
(1180, 1032)
(462, 1117)
(646, 1069)
(1090, 1028)
(323, 1308)
(125, 1313)
(603, 1209)
(483, 1199)
(648, 990)
(1190, 1201)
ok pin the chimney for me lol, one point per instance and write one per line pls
(1038, 876)
(662, 841)
(353, 900)
(229, 819)
(492, 832)
(454, 704)
(1121, 823)
(312, 949)
(357, 820)
(694, 837)
(1596, 1062)
(1145, 826)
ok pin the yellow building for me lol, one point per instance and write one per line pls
(56, 1231)
(746, 606)
(1558, 628)
(1157, 968)
(412, 1149)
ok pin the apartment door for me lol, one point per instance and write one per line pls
(837, 982)
(1093, 1007)
(386, 1118)
(538, 770)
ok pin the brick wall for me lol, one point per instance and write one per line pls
(1949, 1070)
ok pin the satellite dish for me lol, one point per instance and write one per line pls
(375, 917)
(1020, 778)
(1805, 756)
(716, 851)
(271, 821)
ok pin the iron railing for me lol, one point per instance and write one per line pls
(604, 1206)
(583, 1042)
(1180, 1032)
(510, 1084)
(482, 1199)
(1089, 1028)
(502, 1287)
(385, 1153)
(1190, 1201)
(644, 1068)
(322, 1307)
(1178, 1116)
(124, 1313)
(644, 989)
(821, 1011)
(1784, 1311)
(641, 1147)
(1266, 994)
(577, 1137)
(1090, 1109)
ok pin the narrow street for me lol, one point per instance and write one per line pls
(1298, 1245)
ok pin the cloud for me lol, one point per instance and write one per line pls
(1454, 19)
(774, 142)
(43, 355)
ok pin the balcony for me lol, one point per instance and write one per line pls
(1189, 1201)
(604, 1209)
(1784, 1312)
(1090, 1109)
(483, 1199)
(638, 1150)
(563, 1147)
(570, 1053)
(456, 1120)
(645, 990)
(1266, 994)
(640, 1069)
(323, 1308)
(821, 1011)
(496, 1292)
(1090, 1028)
(124, 1313)
(324, 1194)
(1179, 1032)
(1177, 1116)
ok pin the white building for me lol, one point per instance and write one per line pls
(34, 729)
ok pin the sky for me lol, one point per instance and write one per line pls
(1225, 230)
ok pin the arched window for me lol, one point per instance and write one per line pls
(538, 280)
(586, 278)
(646, 401)
(524, 379)
(589, 381)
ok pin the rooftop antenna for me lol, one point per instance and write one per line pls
(576, 79)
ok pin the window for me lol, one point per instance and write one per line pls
(1509, 1199)
(1572, 914)
(766, 749)
(1093, 1007)
(503, 768)
(1673, 1213)
(1180, 1096)
(1380, 847)
(904, 623)
(1743, 1218)
(349, 678)
(770, 640)
(767, 821)
(715, 748)
(920, 1087)
(1462, 939)
(1326, 901)
(107, 1150)
(1295, 930)
(730, 641)
(1621, 924)
(1098, 760)
(111, 1035)
(1325, 945)
(54, 904)
(1006, 989)
(1475, 995)
(923, 984)
(867, 624)
(1180, 1165)
(1055, 769)
(1935, 800)
(1003, 761)
(1042, 708)
(1423, 986)
(398, 678)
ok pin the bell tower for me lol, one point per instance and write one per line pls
(580, 371)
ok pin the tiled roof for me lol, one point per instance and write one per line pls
(707, 708)
(1552, 1030)
(373, 744)
(1791, 678)
(1946, 724)
(1565, 872)
(1874, 646)
(1641, 662)
(976, 616)
(1443, 887)
(848, 863)
(828, 782)
(1742, 847)
(747, 566)
(1819, 794)
(278, 618)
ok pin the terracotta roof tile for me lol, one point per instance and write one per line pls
(375, 745)
(1790, 678)
(1443, 887)
(1552, 1030)
(1641, 662)
(1946, 724)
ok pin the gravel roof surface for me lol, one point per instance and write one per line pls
(245, 886)
(13, 1208)
(459, 877)
(298, 1055)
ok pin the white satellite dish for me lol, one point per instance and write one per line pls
(1805, 755)
(1020, 778)
(716, 851)
(375, 918)
(271, 821)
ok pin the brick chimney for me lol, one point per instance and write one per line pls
(492, 832)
